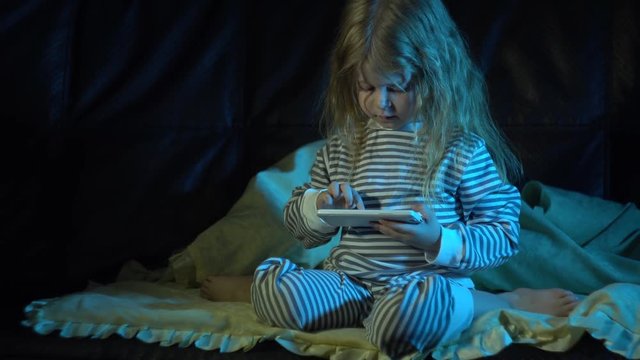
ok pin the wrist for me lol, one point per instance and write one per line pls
(449, 251)
(435, 246)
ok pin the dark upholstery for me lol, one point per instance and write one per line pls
(128, 127)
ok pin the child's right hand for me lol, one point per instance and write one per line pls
(339, 195)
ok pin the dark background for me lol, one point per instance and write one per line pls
(128, 127)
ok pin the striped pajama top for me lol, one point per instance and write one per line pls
(478, 211)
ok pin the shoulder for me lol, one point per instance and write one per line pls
(332, 150)
(333, 141)
(333, 144)
(466, 146)
(466, 156)
(469, 168)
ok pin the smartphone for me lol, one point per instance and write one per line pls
(354, 217)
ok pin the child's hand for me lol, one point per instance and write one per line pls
(339, 196)
(425, 235)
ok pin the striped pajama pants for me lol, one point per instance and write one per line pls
(412, 312)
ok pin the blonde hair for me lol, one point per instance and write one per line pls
(418, 37)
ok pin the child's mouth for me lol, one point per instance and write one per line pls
(387, 121)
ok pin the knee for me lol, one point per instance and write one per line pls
(270, 296)
(270, 270)
(267, 280)
(413, 315)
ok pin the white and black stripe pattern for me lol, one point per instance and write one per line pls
(413, 315)
(411, 312)
(288, 296)
(473, 200)
(406, 302)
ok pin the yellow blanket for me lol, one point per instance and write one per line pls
(170, 315)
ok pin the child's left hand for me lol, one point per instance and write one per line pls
(425, 235)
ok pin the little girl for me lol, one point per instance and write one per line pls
(408, 127)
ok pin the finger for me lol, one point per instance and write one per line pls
(394, 226)
(358, 200)
(402, 228)
(385, 229)
(334, 189)
(346, 191)
(324, 200)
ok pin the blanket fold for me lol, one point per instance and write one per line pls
(569, 240)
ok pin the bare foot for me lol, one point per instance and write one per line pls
(556, 302)
(226, 288)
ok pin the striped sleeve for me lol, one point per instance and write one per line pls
(491, 209)
(298, 221)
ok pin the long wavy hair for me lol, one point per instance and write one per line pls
(418, 36)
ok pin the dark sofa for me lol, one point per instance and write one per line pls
(128, 127)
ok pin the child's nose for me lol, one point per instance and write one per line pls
(383, 98)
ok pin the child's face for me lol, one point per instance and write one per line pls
(386, 98)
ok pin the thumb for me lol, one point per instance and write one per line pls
(423, 210)
(324, 200)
